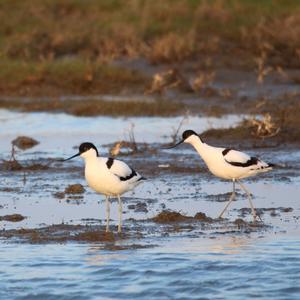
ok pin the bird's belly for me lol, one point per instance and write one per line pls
(226, 171)
(107, 185)
(220, 173)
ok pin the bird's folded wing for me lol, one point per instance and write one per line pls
(241, 159)
(122, 170)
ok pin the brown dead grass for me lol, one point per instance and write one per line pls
(172, 47)
(281, 124)
(68, 47)
(163, 31)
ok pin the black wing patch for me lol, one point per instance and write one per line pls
(252, 161)
(109, 162)
(225, 151)
(133, 173)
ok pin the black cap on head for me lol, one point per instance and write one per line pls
(87, 146)
(83, 148)
(188, 133)
(185, 135)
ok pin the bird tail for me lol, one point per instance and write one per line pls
(271, 166)
(264, 167)
(142, 178)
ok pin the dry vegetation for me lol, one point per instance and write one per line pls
(68, 46)
(55, 47)
(278, 126)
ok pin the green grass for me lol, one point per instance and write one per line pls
(66, 76)
(48, 38)
(33, 29)
(92, 107)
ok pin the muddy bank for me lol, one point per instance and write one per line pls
(273, 119)
(15, 165)
(247, 132)
(61, 233)
(92, 107)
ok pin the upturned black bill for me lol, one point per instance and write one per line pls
(175, 145)
(72, 156)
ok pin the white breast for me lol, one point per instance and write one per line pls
(101, 180)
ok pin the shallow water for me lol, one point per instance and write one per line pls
(188, 262)
(47, 128)
(223, 268)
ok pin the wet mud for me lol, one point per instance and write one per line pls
(171, 223)
(273, 105)
(222, 197)
(74, 189)
(12, 218)
(180, 197)
(61, 233)
(272, 211)
(173, 216)
(15, 165)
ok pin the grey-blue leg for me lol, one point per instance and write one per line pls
(230, 199)
(250, 201)
(107, 212)
(120, 214)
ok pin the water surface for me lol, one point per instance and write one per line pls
(174, 263)
(223, 268)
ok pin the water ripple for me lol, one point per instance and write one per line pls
(264, 270)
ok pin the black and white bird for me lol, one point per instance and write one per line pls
(227, 163)
(108, 176)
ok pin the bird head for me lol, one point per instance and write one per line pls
(86, 150)
(188, 136)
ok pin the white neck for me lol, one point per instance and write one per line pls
(200, 147)
(89, 155)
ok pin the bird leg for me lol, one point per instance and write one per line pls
(250, 201)
(107, 212)
(120, 214)
(230, 199)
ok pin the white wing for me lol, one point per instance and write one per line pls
(241, 159)
(234, 156)
(121, 169)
